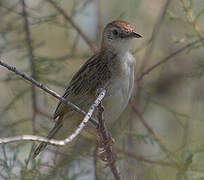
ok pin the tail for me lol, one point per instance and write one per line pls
(51, 134)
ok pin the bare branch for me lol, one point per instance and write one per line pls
(44, 88)
(93, 47)
(59, 142)
(95, 162)
(189, 13)
(99, 22)
(45, 114)
(147, 71)
(154, 35)
(145, 60)
(106, 144)
(32, 64)
(156, 138)
(144, 159)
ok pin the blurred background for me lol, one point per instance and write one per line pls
(40, 38)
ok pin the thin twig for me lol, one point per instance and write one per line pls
(145, 60)
(142, 158)
(49, 91)
(95, 163)
(105, 140)
(59, 142)
(8, 126)
(189, 13)
(32, 64)
(147, 71)
(45, 114)
(93, 47)
(99, 23)
(154, 135)
(155, 32)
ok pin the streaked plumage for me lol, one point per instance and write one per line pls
(112, 68)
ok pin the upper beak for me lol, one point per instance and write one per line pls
(130, 35)
(135, 35)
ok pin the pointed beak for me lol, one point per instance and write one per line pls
(130, 35)
(135, 35)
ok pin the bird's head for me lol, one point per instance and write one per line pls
(118, 35)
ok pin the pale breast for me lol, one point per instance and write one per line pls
(120, 88)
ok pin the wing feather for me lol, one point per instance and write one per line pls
(91, 76)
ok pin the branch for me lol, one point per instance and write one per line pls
(147, 71)
(59, 142)
(155, 32)
(44, 88)
(144, 159)
(99, 22)
(93, 47)
(191, 19)
(156, 138)
(106, 142)
(32, 64)
(95, 163)
(45, 114)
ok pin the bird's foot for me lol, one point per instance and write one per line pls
(105, 150)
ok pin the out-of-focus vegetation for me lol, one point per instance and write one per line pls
(37, 39)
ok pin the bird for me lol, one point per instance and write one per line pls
(111, 68)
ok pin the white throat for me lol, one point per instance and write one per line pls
(120, 46)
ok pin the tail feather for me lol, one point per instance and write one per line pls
(51, 134)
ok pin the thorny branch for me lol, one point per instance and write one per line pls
(68, 139)
(44, 88)
(106, 143)
(32, 64)
(93, 47)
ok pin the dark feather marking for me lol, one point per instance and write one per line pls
(94, 74)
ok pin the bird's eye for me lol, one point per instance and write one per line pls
(115, 32)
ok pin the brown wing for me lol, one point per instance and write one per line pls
(82, 88)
